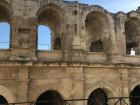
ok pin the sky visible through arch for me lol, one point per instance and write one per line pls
(113, 6)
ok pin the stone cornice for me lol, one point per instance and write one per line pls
(69, 64)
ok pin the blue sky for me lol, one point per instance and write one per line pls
(113, 6)
(44, 37)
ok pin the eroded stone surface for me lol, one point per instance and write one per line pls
(90, 49)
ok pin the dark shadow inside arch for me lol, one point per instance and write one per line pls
(98, 93)
(3, 100)
(95, 24)
(57, 44)
(50, 95)
(135, 92)
(97, 46)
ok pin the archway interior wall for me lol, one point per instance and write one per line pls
(97, 28)
(6, 12)
(132, 33)
(109, 18)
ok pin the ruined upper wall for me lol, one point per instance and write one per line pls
(30, 7)
(74, 27)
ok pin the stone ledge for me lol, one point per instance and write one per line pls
(50, 51)
(68, 64)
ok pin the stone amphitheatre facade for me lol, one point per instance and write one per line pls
(89, 56)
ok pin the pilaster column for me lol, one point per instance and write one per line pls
(124, 91)
(120, 30)
(23, 84)
(78, 85)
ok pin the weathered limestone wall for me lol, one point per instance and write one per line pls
(77, 26)
(91, 53)
(26, 81)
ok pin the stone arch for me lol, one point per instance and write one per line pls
(110, 91)
(133, 85)
(9, 11)
(134, 90)
(56, 2)
(36, 92)
(105, 29)
(99, 9)
(109, 33)
(54, 17)
(6, 15)
(7, 94)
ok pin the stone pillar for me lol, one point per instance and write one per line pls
(78, 85)
(120, 32)
(24, 38)
(124, 92)
(23, 84)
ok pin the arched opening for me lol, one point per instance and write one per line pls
(135, 92)
(5, 17)
(132, 36)
(44, 38)
(98, 93)
(49, 95)
(96, 24)
(52, 16)
(2, 100)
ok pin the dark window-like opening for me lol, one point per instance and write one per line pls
(57, 44)
(3, 100)
(49, 95)
(5, 35)
(44, 38)
(98, 93)
(97, 46)
(135, 92)
(132, 47)
(132, 34)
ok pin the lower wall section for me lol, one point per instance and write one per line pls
(36, 83)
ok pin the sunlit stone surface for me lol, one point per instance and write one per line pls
(94, 53)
